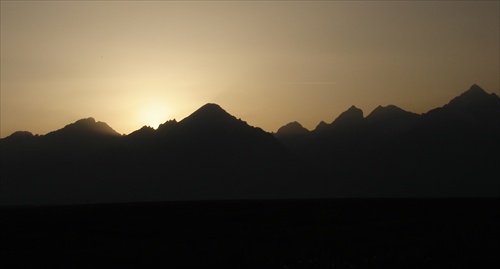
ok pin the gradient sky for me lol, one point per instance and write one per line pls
(136, 63)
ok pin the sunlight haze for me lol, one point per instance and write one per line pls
(136, 63)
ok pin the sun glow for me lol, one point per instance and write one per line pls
(154, 115)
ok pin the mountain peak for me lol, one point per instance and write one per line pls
(169, 124)
(390, 121)
(352, 115)
(210, 108)
(209, 114)
(475, 96)
(474, 92)
(144, 130)
(85, 121)
(86, 126)
(354, 111)
(292, 128)
(389, 111)
(476, 88)
(321, 126)
(19, 136)
(387, 108)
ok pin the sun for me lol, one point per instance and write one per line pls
(154, 115)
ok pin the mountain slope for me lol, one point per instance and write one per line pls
(390, 121)
(448, 151)
(351, 117)
(292, 128)
(208, 155)
(84, 128)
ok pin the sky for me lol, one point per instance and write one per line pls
(136, 63)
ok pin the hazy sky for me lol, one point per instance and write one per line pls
(138, 63)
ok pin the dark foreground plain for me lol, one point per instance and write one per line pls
(333, 233)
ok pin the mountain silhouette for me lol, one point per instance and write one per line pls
(321, 126)
(472, 99)
(479, 105)
(166, 126)
(390, 113)
(440, 152)
(211, 128)
(352, 116)
(144, 132)
(84, 128)
(211, 115)
(449, 151)
(212, 124)
(294, 136)
(390, 121)
(20, 136)
(292, 128)
(472, 113)
(208, 155)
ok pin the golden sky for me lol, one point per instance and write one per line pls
(138, 63)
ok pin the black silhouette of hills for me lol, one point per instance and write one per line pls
(20, 137)
(321, 125)
(350, 134)
(391, 120)
(472, 108)
(473, 100)
(84, 128)
(211, 116)
(143, 133)
(449, 151)
(349, 118)
(212, 127)
(292, 128)
(208, 155)
(211, 131)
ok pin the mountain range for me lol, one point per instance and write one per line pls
(452, 150)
